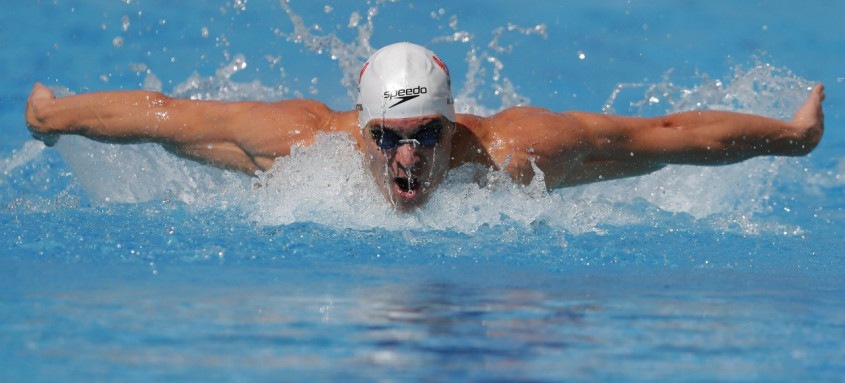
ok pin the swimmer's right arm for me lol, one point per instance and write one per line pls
(125, 116)
(244, 136)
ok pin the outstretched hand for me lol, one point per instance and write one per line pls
(40, 98)
(809, 120)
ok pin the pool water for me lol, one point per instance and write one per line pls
(124, 263)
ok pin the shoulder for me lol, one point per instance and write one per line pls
(515, 138)
(312, 117)
(514, 118)
(270, 129)
(301, 109)
(525, 125)
(311, 114)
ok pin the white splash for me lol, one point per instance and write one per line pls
(24, 155)
(139, 173)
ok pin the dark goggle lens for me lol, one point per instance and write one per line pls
(428, 136)
(385, 139)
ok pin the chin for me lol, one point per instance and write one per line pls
(405, 201)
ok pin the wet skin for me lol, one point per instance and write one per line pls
(411, 162)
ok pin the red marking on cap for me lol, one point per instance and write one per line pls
(363, 68)
(441, 64)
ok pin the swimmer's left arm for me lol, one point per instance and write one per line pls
(573, 148)
(629, 146)
(704, 137)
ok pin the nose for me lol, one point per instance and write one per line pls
(406, 156)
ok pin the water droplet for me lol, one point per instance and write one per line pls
(354, 19)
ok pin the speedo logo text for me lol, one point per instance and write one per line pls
(405, 95)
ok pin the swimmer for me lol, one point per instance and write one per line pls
(406, 126)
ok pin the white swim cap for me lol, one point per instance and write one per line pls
(404, 80)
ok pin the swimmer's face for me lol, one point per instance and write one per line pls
(408, 157)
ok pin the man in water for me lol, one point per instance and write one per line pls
(406, 126)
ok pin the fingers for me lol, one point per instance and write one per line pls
(818, 91)
(809, 121)
(34, 119)
(41, 92)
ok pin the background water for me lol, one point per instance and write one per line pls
(126, 264)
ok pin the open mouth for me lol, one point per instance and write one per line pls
(407, 187)
(407, 184)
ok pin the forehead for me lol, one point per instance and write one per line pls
(404, 124)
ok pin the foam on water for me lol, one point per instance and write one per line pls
(326, 183)
(139, 173)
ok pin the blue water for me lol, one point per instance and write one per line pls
(128, 264)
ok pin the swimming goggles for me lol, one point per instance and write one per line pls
(427, 136)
